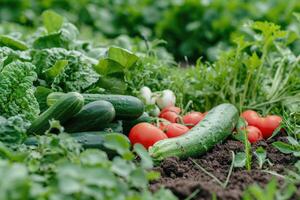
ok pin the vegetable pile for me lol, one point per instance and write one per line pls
(79, 120)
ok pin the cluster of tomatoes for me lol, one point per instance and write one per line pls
(171, 124)
(258, 127)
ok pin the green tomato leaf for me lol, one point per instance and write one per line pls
(52, 21)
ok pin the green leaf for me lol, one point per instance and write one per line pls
(12, 43)
(52, 21)
(261, 156)
(108, 66)
(112, 85)
(51, 41)
(118, 143)
(240, 160)
(284, 147)
(146, 160)
(122, 56)
(138, 178)
(56, 69)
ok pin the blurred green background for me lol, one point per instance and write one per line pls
(191, 28)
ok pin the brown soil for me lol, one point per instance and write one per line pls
(183, 177)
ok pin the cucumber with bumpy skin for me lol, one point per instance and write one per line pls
(214, 128)
(62, 110)
(127, 107)
(92, 117)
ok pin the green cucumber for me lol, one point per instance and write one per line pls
(128, 124)
(127, 107)
(214, 128)
(62, 110)
(93, 117)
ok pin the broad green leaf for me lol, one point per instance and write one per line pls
(117, 142)
(12, 43)
(146, 160)
(50, 41)
(112, 85)
(122, 56)
(108, 66)
(52, 21)
(121, 167)
(138, 178)
(56, 69)
(93, 157)
(284, 147)
(240, 159)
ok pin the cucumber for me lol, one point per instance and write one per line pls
(127, 107)
(128, 124)
(62, 110)
(214, 128)
(92, 117)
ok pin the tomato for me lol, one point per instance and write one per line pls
(170, 116)
(192, 118)
(251, 117)
(254, 134)
(175, 130)
(268, 124)
(146, 134)
(163, 126)
(170, 108)
(204, 114)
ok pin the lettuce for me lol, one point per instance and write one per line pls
(17, 91)
(63, 70)
(13, 129)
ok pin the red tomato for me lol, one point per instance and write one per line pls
(170, 108)
(268, 124)
(251, 117)
(254, 134)
(175, 130)
(170, 116)
(146, 134)
(163, 126)
(192, 118)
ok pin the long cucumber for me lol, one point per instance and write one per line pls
(127, 107)
(214, 128)
(62, 110)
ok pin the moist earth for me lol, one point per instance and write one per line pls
(184, 178)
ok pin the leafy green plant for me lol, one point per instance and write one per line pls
(291, 125)
(270, 192)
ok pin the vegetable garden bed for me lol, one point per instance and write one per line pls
(120, 119)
